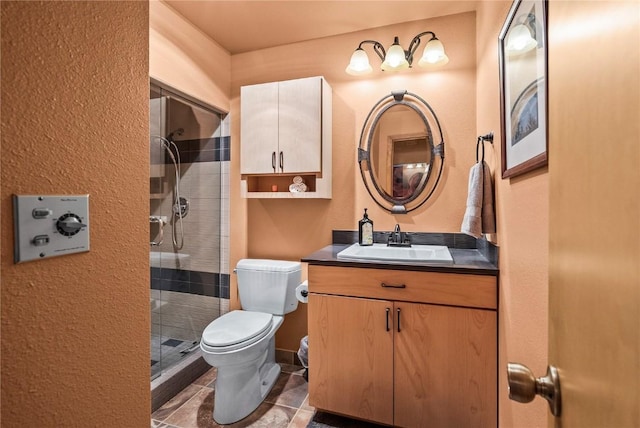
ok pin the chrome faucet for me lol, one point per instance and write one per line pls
(397, 238)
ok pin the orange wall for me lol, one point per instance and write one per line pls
(183, 57)
(75, 119)
(291, 229)
(465, 96)
(522, 219)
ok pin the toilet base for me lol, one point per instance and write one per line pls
(240, 389)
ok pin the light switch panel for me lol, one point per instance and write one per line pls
(50, 225)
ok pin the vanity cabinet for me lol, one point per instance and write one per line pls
(418, 351)
(286, 131)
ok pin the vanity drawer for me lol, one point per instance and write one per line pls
(474, 291)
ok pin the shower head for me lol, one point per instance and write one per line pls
(176, 132)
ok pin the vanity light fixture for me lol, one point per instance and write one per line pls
(397, 58)
(520, 39)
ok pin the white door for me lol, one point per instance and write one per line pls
(259, 129)
(594, 172)
(300, 125)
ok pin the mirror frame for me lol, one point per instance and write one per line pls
(429, 181)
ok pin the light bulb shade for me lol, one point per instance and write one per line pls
(359, 63)
(433, 54)
(519, 40)
(395, 59)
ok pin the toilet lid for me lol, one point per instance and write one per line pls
(240, 328)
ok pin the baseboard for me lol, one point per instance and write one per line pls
(284, 356)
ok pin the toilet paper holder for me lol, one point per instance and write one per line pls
(302, 292)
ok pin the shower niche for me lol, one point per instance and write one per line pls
(188, 223)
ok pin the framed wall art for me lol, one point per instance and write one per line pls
(523, 87)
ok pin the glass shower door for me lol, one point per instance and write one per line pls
(188, 276)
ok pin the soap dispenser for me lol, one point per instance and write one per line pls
(365, 230)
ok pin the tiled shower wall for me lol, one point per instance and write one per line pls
(190, 287)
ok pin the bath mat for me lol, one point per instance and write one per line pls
(327, 420)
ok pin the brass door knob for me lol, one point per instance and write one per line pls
(523, 386)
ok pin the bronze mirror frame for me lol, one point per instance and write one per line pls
(428, 181)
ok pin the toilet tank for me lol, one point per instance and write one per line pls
(268, 285)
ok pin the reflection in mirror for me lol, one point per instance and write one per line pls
(398, 152)
(409, 167)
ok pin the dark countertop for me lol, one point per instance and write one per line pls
(465, 261)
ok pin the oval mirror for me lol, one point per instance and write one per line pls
(399, 162)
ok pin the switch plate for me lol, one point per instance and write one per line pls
(31, 224)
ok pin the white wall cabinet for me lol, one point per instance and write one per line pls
(286, 131)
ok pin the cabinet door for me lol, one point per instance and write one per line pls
(300, 121)
(445, 366)
(351, 357)
(259, 128)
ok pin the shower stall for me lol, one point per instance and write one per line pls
(188, 224)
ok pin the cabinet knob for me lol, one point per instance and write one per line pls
(523, 386)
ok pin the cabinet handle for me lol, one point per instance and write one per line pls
(281, 162)
(393, 285)
(398, 320)
(273, 161)
(387, 318)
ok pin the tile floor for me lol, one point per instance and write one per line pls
(286, 406)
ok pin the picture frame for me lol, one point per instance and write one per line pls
(523, 88)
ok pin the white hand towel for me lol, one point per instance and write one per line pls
(479, 217)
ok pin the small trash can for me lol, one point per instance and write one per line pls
(303, 356)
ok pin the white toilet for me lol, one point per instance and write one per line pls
(241, 344)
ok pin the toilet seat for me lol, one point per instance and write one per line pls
(236, 330)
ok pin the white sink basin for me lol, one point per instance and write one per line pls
(169, 260)
(415, 253)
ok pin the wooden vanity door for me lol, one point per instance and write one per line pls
(351, 356)
(445, 366)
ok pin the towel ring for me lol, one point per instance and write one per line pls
(481, 139)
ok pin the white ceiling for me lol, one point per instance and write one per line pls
(243, 26)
